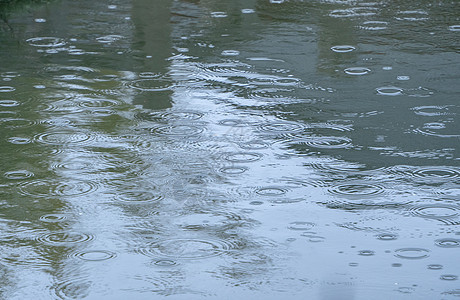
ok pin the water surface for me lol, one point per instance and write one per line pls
(229, 149)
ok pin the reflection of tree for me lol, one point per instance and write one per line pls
(152, 42)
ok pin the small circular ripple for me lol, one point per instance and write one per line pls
(254, 145)
(9, 103)
(109, 38)
(53, 218)
(366, 253)
(165, 263)
(180, 115)
(389, 91)
(16, 122)
(357, 71)
(178, 130)
(271, 191)
(440, 172)
(94, 255)
(343, 48)
(6, 89)
(432, 110)
(300, 225)
(387, 236)
(230, 53)
(152, 85)
(233, 123)
(374, 25)
(435, 267)
(218, 14)
(412, 253)
(99, 103)
(65, 238)
(447, 243)
(135, 196)
(19, 174)
(43, 188)
(233, 170)
(281, 127)
(448, 277)
(353, 12)
(436, 211)
(46, 42)
(19, 140)
(353, 189)
(242, 157)
(187, 248)
(329, 142)
(64, 138)
(412, 15)
(77, 288)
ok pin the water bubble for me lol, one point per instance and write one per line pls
(343, 48)
(65, 238)
(447, 243)
(243, 157)
(152, 85)
(94, 255)
(19, 174)
(301, 225)
(357, 71)
(412, 253)
(218, 14)
(45, 188)
(454, 28)
(402, 77)
(389, 91)
(46, 42)
(448, 277)
(112, 6)
(230, 53)
(6, 89)
(40, 20)
(435, 267)
(185, 248)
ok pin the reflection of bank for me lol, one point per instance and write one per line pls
(152, 46)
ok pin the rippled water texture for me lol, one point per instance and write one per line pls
(259, 149)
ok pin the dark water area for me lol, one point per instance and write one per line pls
(225, 149)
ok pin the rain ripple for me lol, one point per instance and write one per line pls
(65, 238)
(94, 255)
(44, 188)
(185, 248)
(412, 253)
(46, 42)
